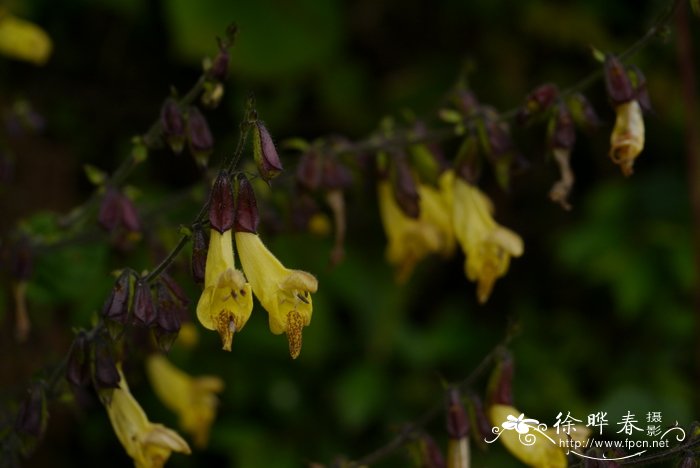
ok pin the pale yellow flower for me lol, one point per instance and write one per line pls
(487, 245)
(410, 239)
(543, 453)
(23, 40)
(226, 302)
(627, 138)
(149, 444)
(193, 399)
(284, 293)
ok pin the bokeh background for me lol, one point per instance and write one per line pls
(603, 296)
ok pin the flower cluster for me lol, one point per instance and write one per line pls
(226, 302)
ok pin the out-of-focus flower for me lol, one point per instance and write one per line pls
(412, 239)
(22, 40)
(192, 398)
(487, 245)
(148, 444)
(627, 138)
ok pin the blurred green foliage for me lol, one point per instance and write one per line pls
(603, 296)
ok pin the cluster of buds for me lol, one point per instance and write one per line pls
(627, 92)
(189, 126)
(133, 301)
(117, 211)
(92, 360)
(226, 302)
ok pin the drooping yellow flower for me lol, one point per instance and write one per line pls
(487, 245)
(541, 453)
(284, 293)
(192, 398)
(226, 302)
(411, 239)
(23, 40)
(149, 444)
(627, 138)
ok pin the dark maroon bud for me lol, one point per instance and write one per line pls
(405, 190)
(130, 218)
(116, 306)
(105, 373)
(219, 67)
(479, 420)
(500, 388)
(199, 254)
(639, 82)
(170, 310)
(32, 415)
(430, 455)
(563, 134)
(583, 112)
(335, 175)
(617, 82)
(499, 141)
(247, 217)
(538, 101)
(175, 289)
(221, 204)
(457, 421)
(110, 214)
(304, 208)
(199, 136)
(310, 170)
(265, 153)
(77, 368)
(144, 309)
(173, 123)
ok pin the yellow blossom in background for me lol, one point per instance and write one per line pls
(627, 138)
(226, 302)
(149, 444)
(22, 40)
(487, 245)
(192, 398)
(543, 453)
(284, 293)
(411, 240)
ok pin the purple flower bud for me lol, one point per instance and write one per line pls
(175, 289)
(335, 175)
(199, 136)
(617, 82)
(173, 123)
(144, 309)
(479, 420)
(639, 82)
(498, 139)
(247, 217)
(105, 373)
(466, 103)
(130, 218)
(538, 101)
(457, 421)
(500, 388)
(200, 244)
(78, 369)
(405, 190)
(563, 134)
(221, 204)
(265, 153)
(117, 210)
(32, 415)
(219, 67)
(429, 454)
(170, 310)
(116, 307)
(309, 170)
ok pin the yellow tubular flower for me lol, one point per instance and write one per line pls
(543, 453)
(226, 302)
(149, 444)
(627, 138)
(410, 239)
(487, 245)
(192, 398)
(282, 292)
(23, 40)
